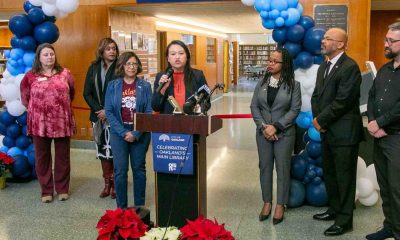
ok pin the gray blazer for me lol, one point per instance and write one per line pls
(284, 110)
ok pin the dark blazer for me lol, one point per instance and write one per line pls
(335, 102)
(159, 102)
(89, 90)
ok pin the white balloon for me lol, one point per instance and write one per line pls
(49, 9)
(356, 196)
(305, 103)
(50, 1)
(370, 200)
(15, 108)
(62, 15)
(1, 140)
(361, 168)
(18, 79)
(37, 3)
(371, 175)
(364, 187)
(8, 80)
(6, 74)
(248, 2)
(9, 92)
(67, 6)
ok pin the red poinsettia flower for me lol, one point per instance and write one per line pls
(205, 229)
(120, 223)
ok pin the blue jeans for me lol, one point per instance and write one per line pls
(136, 152)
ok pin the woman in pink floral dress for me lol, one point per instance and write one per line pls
(47, 92)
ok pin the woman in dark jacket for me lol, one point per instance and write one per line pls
(183, 83)
(99, 74)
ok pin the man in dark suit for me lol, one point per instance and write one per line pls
(384, 126)
(335, 107)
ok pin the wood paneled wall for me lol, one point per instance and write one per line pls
(380, 20)
(5, 36)
(80, 33)
(358, 25)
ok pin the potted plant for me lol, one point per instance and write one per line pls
(162, 233)
(205, 229)
(120, 224)
(6, 162)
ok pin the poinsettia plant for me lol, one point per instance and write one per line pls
(162, 233)
(205, 229)
(6, 163)
(120, 224)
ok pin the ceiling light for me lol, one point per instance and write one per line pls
(190, 29)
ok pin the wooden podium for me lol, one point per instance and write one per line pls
(190, 198)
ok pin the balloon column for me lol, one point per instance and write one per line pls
(367, 185)
(35, 26)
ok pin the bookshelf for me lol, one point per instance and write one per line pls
(3, 60)
(254, 55)
(211, 50)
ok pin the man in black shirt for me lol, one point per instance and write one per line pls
(384, 126)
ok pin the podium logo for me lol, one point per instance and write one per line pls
(163, 137)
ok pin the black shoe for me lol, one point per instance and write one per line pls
(277, 220)
(263, 217)
(383, 233)
(336, 230)
(325, 216)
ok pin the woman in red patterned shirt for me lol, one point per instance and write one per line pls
(47, 92)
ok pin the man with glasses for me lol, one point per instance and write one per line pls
(384, 126)
(335, 107)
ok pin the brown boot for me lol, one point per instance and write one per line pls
(112, 191)
(107, 171)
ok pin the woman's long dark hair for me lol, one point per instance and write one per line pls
(188, 69)
(37, 65)
(287, 71)
(102, 47)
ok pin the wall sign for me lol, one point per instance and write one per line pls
(172, 153)
(330, 16)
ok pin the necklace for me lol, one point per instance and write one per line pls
(273, 82)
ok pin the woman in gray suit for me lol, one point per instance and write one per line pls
(275, 105)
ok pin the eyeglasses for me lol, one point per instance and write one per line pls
(330, 39)
(390, 41)
(273, 62)
(132, 64)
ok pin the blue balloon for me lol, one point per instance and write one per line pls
(24, 130)
(20, 62)
(279, 4)
(303, 120)
(274, 14)
(31, 158)
(295, 33)
(284, 14)
(297, 194)
(20, 25)
(46, 32)
(36, 16)
(316, 181)
(311, 174)
(6, 118)
(12, 70)
(319, 171)
(28, 43)
(28, 58)
(14, 130)
(262, 5)
(8, 142)
(306, 22)
(31, 148)
(300, 9)
(293, 17)
(306, 138)
(279, 22)
(21, 167)
(312, 40)
(17, 53)
(15, 42)
(27, 69)
(306, 179)
(21, 120)
(279, 35)
(313, 149)
(298, 167)
(264, 14)
(316, 194)
(268, 23)
(292, 3)
(4, 149)
(3, 129)
(23, 142)
(7, 53)
(318, 59)
(314, 134)
(14, 151)
(304, 60)
(319, 162)
(28, 6)
(293, 48)
(13, 63)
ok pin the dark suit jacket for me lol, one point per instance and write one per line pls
(335, 102)
(89, 90)
(159, 102)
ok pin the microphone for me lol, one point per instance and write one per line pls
(169, 73)
(197, 98)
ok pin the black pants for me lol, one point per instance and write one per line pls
(387, 167)
(340, 173)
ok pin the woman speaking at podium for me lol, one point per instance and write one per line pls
(275, 105)
(180, 80)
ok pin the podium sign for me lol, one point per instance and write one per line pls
(172, 153)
